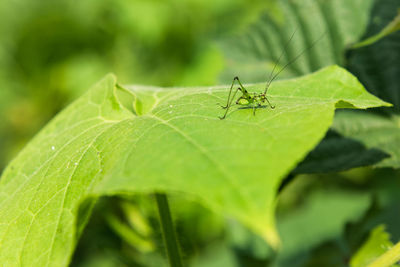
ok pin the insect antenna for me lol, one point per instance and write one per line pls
(279, 59)
(293, 59)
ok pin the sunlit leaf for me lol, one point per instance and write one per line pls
(168, 140)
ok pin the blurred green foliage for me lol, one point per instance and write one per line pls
(50, 51)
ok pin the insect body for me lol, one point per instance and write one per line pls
(246, 100)
(259, 100)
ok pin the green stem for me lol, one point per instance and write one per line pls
(170, 240)
(388, 258)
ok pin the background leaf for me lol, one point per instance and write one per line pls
(336, 153)
(374, 130)
(378, 243)
(392, 27)
(335, 248)
(322, 36)
(321, 218)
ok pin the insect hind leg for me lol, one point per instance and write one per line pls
(229, 104)
(236, 78)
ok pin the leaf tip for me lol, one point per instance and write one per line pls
(271, 236)
(110, 76)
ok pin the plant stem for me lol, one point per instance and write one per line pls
(388, 258)
(169, 236)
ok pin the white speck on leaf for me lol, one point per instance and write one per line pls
(170, 106)
(53, 148)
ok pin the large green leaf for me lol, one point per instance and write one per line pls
(171, 140)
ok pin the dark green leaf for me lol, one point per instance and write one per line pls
(376, 131)
(336, 153)
(392, 27)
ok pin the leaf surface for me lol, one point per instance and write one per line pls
(167, 140)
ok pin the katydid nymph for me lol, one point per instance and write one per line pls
(259, 100)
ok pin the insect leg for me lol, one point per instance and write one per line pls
(244, 91)
(256, 107)
(269, 103)
(229, 104)
(230, 91)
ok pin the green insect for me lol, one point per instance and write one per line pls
(259, 100)
(246, 100)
